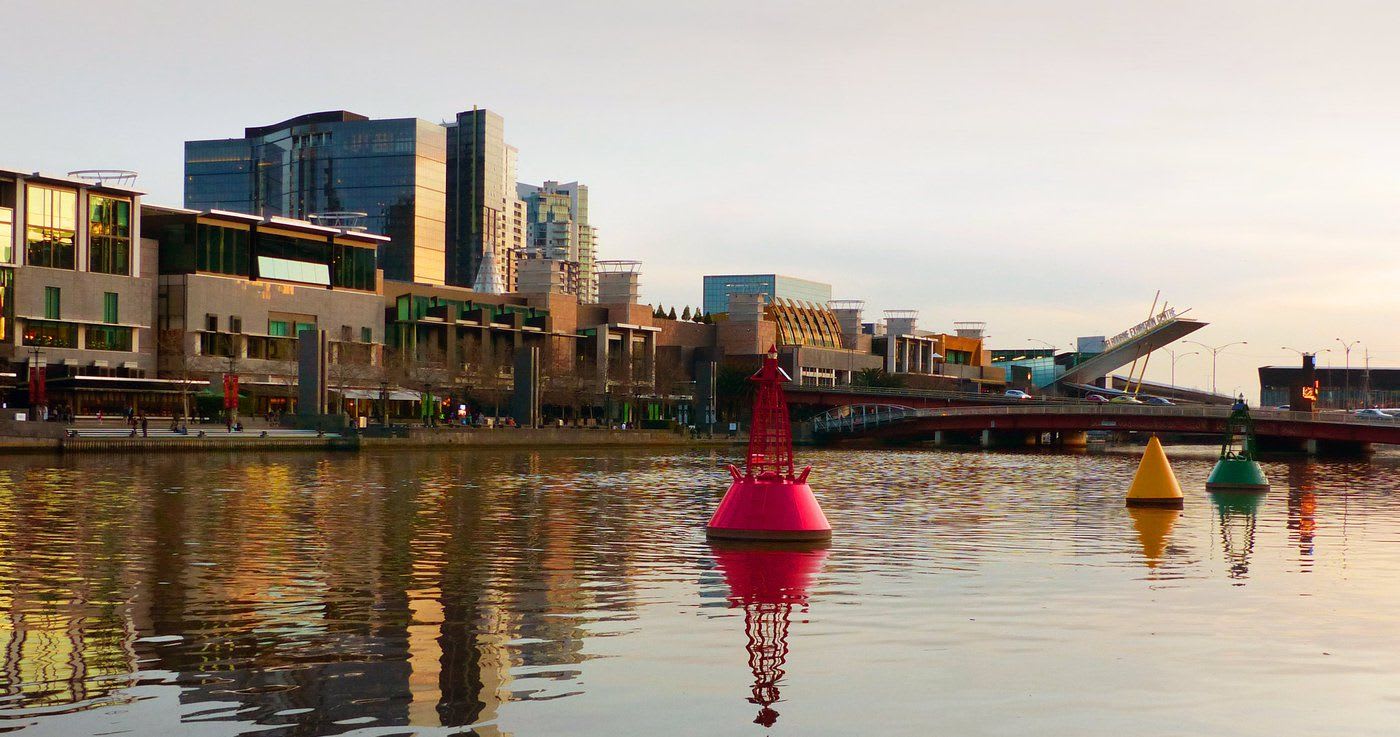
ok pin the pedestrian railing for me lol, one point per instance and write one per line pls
(856, 418)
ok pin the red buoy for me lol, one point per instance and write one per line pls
(768, 501)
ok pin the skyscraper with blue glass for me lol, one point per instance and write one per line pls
(340, 168)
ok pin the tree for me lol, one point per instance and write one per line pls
(733, 390)
(876, 378)
(176, 362)
(686, 315)
(658, 313)
(672, 314)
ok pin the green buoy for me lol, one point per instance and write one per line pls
(1237, 471)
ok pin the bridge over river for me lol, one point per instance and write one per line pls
(1069, 423)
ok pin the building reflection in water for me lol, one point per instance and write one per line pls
(374, 590)
(1302, 511)
(1238, 515)
(768, 582)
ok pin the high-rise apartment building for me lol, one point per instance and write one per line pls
(341, 169)
(558, 228)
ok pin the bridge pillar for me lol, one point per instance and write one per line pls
(987, 439)
(938, 439)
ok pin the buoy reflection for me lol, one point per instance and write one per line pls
(768, 581)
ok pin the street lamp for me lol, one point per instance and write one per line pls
(1214, 353)
(1346, 392)
(1047, 343)
(1175, 357)
(1306, 353)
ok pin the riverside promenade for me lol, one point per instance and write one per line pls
(115, 436)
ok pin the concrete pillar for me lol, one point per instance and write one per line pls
(938, 438)
(1074, 439)
(986, 439)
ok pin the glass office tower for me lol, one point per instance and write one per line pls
(309, 167)
(480, 197)
(771, 286)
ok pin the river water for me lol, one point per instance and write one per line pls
(573, 593)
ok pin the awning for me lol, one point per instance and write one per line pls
(395, 395)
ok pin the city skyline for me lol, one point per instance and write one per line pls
(1043, 170)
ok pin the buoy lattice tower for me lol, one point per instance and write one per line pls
(769, 500)
(1237, 470)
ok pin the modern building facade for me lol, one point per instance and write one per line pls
(76, 287)
(717, 289)
(337, 167)
(236, 291)
(1334, 387)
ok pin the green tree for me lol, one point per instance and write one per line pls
(876, 378)
(672, 314)
(686, 315)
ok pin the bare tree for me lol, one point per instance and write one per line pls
(175, 361)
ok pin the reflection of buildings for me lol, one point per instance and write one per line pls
(369, 591)
(1302, 511)
(767, 583)
(66, 632)
(1238, 514)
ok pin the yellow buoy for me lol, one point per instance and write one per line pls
(1155, 485)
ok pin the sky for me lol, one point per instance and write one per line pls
(1045, 167)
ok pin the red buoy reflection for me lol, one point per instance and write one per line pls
(768, 582)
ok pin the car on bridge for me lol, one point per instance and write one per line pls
(1159, 402)
(1096, 399)
(1017, 394)
(1373, 414)
(1125, 399)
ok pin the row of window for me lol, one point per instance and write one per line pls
(53, 305)
(49, 334)
(51, 234)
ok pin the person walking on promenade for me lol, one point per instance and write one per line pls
(145, 426)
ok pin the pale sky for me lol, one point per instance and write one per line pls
(1042, 166)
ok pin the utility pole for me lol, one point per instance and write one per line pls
(1346, 392)
(1214, 353)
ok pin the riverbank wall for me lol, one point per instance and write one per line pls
(548, 437)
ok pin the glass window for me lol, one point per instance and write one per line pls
(221, 250)
(109, 307)
(109, 230)
(278, 328)
(366, 335)
(7, 235)
(353, 268)
(107, 339)
(303, 326)
(51, 227)
(50, 334)
(7, 302)
(296, 271)
(235, 324)
(211, 323)
(53, 303)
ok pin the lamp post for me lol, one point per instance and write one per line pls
(1214, 353)
(1346, 392)
(1177, 357)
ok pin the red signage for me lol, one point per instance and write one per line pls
(230, 391)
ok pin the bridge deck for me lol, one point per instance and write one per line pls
(905, 423)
